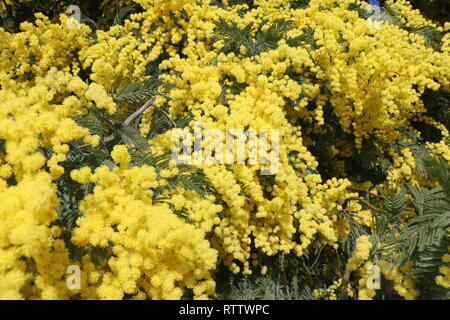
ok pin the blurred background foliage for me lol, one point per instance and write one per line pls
(438, 10)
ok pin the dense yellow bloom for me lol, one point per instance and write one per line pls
(155, 252)
(371, 80)
(404, 284)
(360, 254)
(443, 279)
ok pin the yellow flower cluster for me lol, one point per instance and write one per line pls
(365, 292)
(360, 254)
(402, 169)
(155, 253)
(374, 79)
(403, 282)
(35, 127)
(444, 278)
(33, 262)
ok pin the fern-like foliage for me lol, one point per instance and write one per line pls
(130, 136)
(189, 177)
(261, 40)
(424, 238)
(289, 278)
(234, 36)
(114, 130)
(138, 92)
(122, 14)
(267, 40)
(306, 37)
(95, 121)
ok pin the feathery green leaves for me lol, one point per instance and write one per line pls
(138, 92)
(255, 42)
(122, 14)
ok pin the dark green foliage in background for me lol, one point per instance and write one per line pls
(422, 239)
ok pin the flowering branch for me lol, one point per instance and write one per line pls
(133, 117)
(365, 191)
(138, 112)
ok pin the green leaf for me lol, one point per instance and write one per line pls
(122, 14)
(86, 20)
(130, 136)
(91, 122)
(306, 37)
(138, 92)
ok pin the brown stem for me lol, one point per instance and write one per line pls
(47, 154)
(133, 117)
(344, 285)
(285, 278)
(365, 191)
(138, 112)
(367, 203)
(317, 258)
(165, 113)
